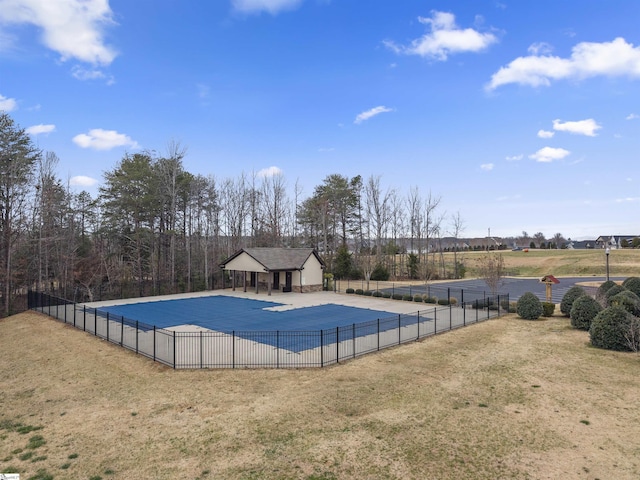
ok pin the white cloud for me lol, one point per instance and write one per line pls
(7, 104)
(632, 116)
(487, 167)
(545, 134)
(540, 48)
(99, 139)
(612, 59)
(73, 28)
(514, 158)
(549, 154)
(91, 74)
(38, 129)
(82, 181)
(586, 127)
(361, 117)
(272, 6)
(444, 39)
(269, 172)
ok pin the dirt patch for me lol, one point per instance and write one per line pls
(507, 398)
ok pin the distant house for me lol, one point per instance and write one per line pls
(614, 241)
(286, 269)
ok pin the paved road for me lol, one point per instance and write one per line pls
(469, 290)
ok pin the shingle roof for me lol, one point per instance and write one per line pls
(278, 258)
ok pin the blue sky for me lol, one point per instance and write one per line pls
(519, 115)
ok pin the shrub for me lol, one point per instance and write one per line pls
(529, 307)
(513, 307)
(359, 291)
(443, 301)
(602, 290)
(377, 294)
(368, 293)
(386, 295)
(627, 300)
(569, 297)
(612, 292)
(430, 300)
(610, 327)
(504, 304)
(453, 300)
(407, 298)
(418, 298)
(548, 308)
(380, 273)
(397, 296)
(632, 284)
(583, 311)
(349, 290)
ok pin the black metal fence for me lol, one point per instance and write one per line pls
(438, 291)
(269, 348)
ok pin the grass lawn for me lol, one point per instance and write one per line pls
(506, 398)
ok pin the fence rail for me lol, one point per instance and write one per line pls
(269, 348)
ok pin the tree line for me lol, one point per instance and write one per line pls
(155, 228)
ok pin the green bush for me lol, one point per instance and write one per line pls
(548, 308)
(380, 273)
(430, 300)
(583, 311)
(513, 307)
(443, 301)
(612, 292)
(453, 300)
(359, 291)
(529, 307)
(602, 290)
(632, 284)
(418, 298)
(368, 293)
(349, 290)
(609, 327)
(377, 294)
(386, 295)
(397, 296)
(569, 297)
(407, 298)
(627, 300)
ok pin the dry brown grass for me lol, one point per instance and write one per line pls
(504, 399)
(537, 263)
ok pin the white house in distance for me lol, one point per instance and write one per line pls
(287, 269)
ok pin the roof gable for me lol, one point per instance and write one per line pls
(278, 258)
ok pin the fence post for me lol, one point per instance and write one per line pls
(378, 334)
(154, 343)
(107, 326)
(450, 319)
(435, 320)
(233, 348)
(322, 348)
(174, 349)
(462, 295)
(337, 344)
(201, 350)
(95, 322)
(418, 325)
(399, 331)
(464, 315)
(277, 348)
(84, 318)
(137, 331)
(353, 336)
(121, 330)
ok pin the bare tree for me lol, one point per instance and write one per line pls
(457, 227)
(491, 269)
(378, 210)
